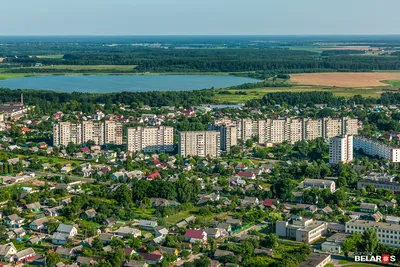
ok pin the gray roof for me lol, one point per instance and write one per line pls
(64, 228)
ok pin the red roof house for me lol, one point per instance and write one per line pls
(154, 175)
(196, 235)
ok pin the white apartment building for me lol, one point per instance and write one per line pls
(341, 149)
(108, 132)
(319, 183)
(388, 233)
(293, 130)
(150, 139)
(301, 229)
(377, 149)
(199, 143)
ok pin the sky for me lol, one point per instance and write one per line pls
(199, 17)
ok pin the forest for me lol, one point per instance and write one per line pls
(186, 60)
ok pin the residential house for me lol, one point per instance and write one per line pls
(90, 214)
(19, 232)
(53, 212)
(109, 221)
(222, 253)
(106, 238)
(14, 221)
(250, 201)
(270, 203)
(63, 233)
(134, 263)
(169, 251)
(25, 255)
(39, 224)
(147, 225)
(196, 235)
(7, 252)
(125, 231)
(213, 232)
(154, 257)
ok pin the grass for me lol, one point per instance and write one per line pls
(393, 82)
(260, 92)
(4, 76)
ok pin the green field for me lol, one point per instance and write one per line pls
(393, 83)
(260, 92)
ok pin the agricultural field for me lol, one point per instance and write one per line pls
(51, 56)
(260, 92)
(346, 79)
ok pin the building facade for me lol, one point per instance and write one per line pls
(228, 134)
(108, 132)
(341, 149)
(293, 130)
(377, 149)
(199, 143)
(388, 234)
(150, 139)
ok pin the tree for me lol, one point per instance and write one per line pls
(249, 143)
(369, 242)
(271, 241)
(97, 244)
(235, 150)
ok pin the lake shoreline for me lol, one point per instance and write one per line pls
(114, 82)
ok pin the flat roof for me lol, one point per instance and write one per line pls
(376, 225)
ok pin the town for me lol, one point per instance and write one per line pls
(206, 185)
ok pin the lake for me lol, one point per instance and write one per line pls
(118, 83)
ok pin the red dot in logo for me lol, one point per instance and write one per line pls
(385, 258)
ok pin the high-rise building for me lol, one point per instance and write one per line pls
(108, 132)
(92, 131)
(150, 139)
(199, 143)
(293, 130)
(65, 133)
(228, 134)
(112, 132)
(341, 149)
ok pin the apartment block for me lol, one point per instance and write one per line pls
(388, 233)
(377, 149)
(341, 149)
(92, 131)
(108, 132)
(293, 130)
(320, 184)
(301, 229)
(199, 143)
(150, 139)
(112, 132)
(65, 133)
(228, 134)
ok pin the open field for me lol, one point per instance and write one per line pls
(346, 79)
(260, 92)
(51, 56)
